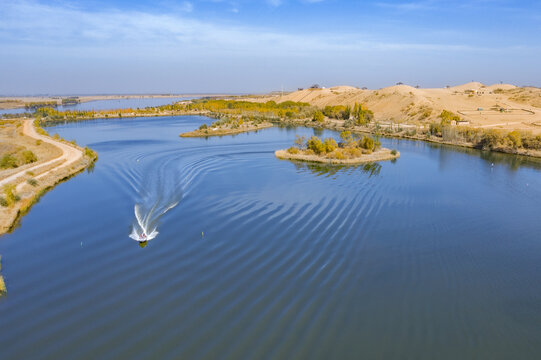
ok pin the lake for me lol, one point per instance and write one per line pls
(435, 255)
(107, 104)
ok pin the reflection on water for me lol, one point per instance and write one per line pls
(513, 162)
(370, 169)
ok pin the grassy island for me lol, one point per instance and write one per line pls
(350, 150)
(227, 126)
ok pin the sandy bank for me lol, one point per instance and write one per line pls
(379, 155)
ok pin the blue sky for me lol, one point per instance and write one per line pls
(121, 46)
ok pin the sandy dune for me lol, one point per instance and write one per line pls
(476, 103)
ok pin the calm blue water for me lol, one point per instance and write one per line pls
(109, 104)
(436, 255)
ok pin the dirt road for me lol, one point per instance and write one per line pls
(69, 156)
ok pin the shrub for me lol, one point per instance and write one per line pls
(491, 139)
(346, 137)
(448, 116)
(530, 142)
(10, 195)
(38, 142)
(352, 151)
(203, 127)
(393, 152)
(8, 161)
(3, 201)
(337, 154)
(32, 182)
(28, 157)
(315, 144)
(89, 152)
(514, 138)
(435, 129)
(318, 116)
(367, 143)
(361, 114)
(330, 144)
(293, 150)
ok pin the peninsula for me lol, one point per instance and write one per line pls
(31, 163)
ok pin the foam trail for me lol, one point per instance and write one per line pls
(160, 190)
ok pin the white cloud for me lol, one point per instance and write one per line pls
(28, 23)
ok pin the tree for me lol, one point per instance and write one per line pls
(300, 141)
(330, 145)
(318, 116)
(515, 139)
(315, 144)
(346, 114)
(367, 143)
(346, 137)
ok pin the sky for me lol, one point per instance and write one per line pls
(242, 46)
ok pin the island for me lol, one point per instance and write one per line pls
(350, 151)
(227, 128)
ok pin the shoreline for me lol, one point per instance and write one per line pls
(19, 102)
(72, 161)
(334, 126)
(382, 154)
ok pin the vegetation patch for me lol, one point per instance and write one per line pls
(17, 158)
(350, 150)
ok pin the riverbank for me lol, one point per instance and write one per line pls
(233, 113)
(24, 188)
(379, 155)
(398, 131)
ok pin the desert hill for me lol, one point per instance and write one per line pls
(496, 106)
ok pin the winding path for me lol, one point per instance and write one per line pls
(69, 155)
